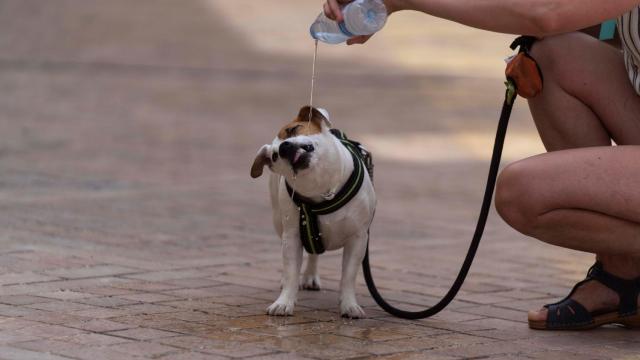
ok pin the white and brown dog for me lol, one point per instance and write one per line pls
(309, 162)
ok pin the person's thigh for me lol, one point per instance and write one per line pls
(604, 180)
(593, 73)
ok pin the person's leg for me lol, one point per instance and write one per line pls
(584, 199)
(586, 101)
(587, 98)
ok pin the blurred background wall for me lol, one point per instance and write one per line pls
(137, 121)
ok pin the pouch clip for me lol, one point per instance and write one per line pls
(523, 70)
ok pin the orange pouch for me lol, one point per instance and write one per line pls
(525, 73)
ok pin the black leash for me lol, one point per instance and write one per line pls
(510, 97)
(524, 78)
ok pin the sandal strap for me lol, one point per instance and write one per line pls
(627, 290)
(567, 314)
(573, 290)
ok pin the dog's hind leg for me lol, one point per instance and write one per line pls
(310, 278)
(292, 261)
(352, 256)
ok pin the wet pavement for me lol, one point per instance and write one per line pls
(131, 227)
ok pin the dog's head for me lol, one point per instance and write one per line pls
(298, 147)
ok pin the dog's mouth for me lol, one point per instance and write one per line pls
(300, 160)
(299, 156)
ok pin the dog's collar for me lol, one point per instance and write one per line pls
(309, 229)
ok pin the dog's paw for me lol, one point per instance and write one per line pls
(310, 282)
(351, 310)
(281, 308)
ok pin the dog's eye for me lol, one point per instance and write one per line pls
(274, 157)
(292, 130)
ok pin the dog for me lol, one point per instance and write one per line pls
(307, 161)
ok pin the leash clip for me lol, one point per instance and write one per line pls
(511, 91)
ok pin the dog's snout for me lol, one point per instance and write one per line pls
(308, 148)
(286, 148)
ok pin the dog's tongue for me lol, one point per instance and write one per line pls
(297, 155)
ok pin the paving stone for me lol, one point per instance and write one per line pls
(135, 286)
(62, 306)
(148, 297)
(95, 339)
(99, 325)
(216, 347)
(146, 309)
(106, 301)
(10, 353)
(194, 283)
(140, 348)
(95, 353)
(24, 278)
(131, 228)
(50, 331)
(56, 318)
(13, 311)
(22, 299)
(15, 323)
(166, 276)
(143, 334)
(103, 313)
(192, 355)
(187, 328)
(413, 355)
(94, 271)
(12, 337)
(497, 312)
(315, 346)
(279, 356)
(197, 293)
(66, 295)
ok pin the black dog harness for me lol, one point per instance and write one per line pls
(310, 234)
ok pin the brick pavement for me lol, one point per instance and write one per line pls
(127, 210)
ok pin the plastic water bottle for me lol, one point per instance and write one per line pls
(361, 17)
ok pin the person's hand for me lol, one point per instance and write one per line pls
(361, 39)
(332, 9)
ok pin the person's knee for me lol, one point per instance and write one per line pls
(551, 52)
(513, 199)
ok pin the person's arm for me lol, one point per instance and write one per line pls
(527, 17)
(523, 17)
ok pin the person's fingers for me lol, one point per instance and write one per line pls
(358, 39)
(328, 12)
(335, 9)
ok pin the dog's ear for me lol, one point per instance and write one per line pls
(318, 116)
(262, 159)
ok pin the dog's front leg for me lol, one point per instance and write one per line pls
(310, 278)
(292, 261)
(352, 257)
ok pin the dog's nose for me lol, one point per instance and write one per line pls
(308, 148)
(287, 148)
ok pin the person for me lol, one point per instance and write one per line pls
(584, 193)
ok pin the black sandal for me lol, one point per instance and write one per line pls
(568, 314)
